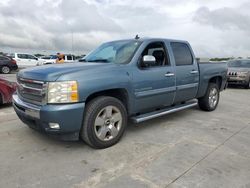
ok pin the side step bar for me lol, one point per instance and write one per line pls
(162, 112)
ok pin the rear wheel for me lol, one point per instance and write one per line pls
(210, 101)
(104, 122)
(5, 69)
(248, 85)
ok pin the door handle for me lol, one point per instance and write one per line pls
(193, 72)
(169, 74)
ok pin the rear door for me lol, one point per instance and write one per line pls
(154, 86)
(187, 72)
(32, 60)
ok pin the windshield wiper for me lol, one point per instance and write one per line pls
(98, 60)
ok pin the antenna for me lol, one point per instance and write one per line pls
(137, 37)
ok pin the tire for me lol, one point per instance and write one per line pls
(104, 122)
(248, 85)
(5, 69)
(211, 99)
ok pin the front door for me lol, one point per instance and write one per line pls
(154, 86)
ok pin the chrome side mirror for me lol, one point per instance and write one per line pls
(148, 60)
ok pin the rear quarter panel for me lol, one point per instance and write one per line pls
(207, 72)
(6, 92)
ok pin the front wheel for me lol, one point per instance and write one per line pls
(210, 101)
(104, 122)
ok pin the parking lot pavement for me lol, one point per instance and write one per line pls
(11, 77)
(191, 148)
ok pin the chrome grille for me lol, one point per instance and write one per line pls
(32, 91)
(232, 73)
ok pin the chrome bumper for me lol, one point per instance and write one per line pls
(26, 108)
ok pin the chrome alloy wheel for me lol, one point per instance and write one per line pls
(213, 97)
(108, 123)
(5, 69)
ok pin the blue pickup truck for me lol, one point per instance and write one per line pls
(135, 79)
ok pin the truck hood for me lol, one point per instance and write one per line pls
(238, 69)
(53, 72)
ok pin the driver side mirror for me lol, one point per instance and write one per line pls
(148, 60)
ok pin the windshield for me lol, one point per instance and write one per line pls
(114, 52)
(239, 63)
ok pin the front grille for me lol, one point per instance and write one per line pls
(32, 91)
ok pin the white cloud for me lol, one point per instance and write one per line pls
(213, 27)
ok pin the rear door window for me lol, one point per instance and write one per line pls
(31, 57)
(182, 54)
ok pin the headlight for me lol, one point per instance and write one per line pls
(244, 74)
(63, 92)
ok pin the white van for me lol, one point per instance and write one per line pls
(25, 60)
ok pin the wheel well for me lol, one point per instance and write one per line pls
(217, 80)
(120, 94)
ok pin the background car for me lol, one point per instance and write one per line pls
(7, 64)
(7, 88)
(24, 60)
(239, 72)
(68, 58)
(49, 59)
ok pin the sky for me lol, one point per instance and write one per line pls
(214, 28)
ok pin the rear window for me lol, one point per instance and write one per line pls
(11, 55)
(182, 54)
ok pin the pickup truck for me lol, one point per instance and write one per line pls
(135, 79)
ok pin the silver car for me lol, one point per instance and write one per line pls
(239, 72)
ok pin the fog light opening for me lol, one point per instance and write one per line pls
(54, 125)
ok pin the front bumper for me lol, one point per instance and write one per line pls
(238, 80)
(14, 67)
(68, 116)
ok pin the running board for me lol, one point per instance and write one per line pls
(162, 112)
